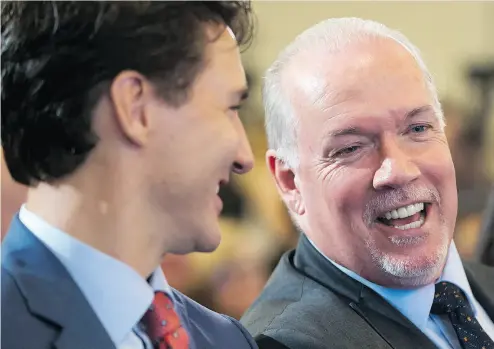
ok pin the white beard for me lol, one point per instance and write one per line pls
(410, 271)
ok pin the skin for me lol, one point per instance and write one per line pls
(149, 186)
(368, 142)
(13, 195)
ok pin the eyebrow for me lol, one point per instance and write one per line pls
(359, 131)
(417, 111)
(345, 132)
(242, 94)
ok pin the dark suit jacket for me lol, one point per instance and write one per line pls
(43, 308)
(308, 303)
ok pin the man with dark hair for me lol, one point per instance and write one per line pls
(122, 117)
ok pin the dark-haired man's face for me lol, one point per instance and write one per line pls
(196, 147)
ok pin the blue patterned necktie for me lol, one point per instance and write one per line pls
(449, 299)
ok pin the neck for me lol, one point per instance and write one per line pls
(106, 214)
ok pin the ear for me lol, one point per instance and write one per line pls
(286, 182)
(128, 92)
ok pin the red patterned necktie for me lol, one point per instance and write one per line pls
(163, 324)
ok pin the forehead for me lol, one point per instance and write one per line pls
(223, 64)
(368, 78)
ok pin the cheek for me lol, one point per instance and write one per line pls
(438, 166)
(438, 169)
(212, 136)
(341, 195)
(349, 190)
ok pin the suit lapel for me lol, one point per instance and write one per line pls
(50, 292)
(389, 323)
(83, 334)
(481, 280)
(181, 310)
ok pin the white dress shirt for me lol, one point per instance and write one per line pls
(416, 304)
(117, 293)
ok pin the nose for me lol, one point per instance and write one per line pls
(244, 160)
(397, 168)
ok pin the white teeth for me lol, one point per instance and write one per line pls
(413, 225)
(405, 211)
(402, 212)
(218, 189)
(411, 210)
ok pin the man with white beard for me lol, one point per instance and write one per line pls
(360, 158)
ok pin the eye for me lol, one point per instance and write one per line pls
(420, 128)
(348, 150)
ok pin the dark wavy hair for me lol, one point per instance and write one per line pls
(58, 58)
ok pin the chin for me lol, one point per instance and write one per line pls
(208, 241)
(420, 266)
(413, 271)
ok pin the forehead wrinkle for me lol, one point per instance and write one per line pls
(316, 94)
(317, 86)
(333, 98)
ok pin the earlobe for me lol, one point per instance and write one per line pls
(127, 93)
(286, 182)
(299, 206)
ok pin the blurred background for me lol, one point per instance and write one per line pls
(457, 42)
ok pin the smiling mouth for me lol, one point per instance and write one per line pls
(406, 217)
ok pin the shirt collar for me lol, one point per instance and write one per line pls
(416, 304)
(117, 293)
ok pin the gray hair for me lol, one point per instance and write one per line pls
(333, 34)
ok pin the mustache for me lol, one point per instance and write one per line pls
(387, 200)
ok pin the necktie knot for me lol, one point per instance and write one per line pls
(450, 298)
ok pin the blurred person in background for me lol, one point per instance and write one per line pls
(467, 171)
(360, 158)
(122, 118)
(471, 179)
(485, 247)
(236, 285)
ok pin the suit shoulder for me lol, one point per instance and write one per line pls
(298, 312)
(286, 339)
(16, 317)
(11, 295)
(208, 327)
(479, 269)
